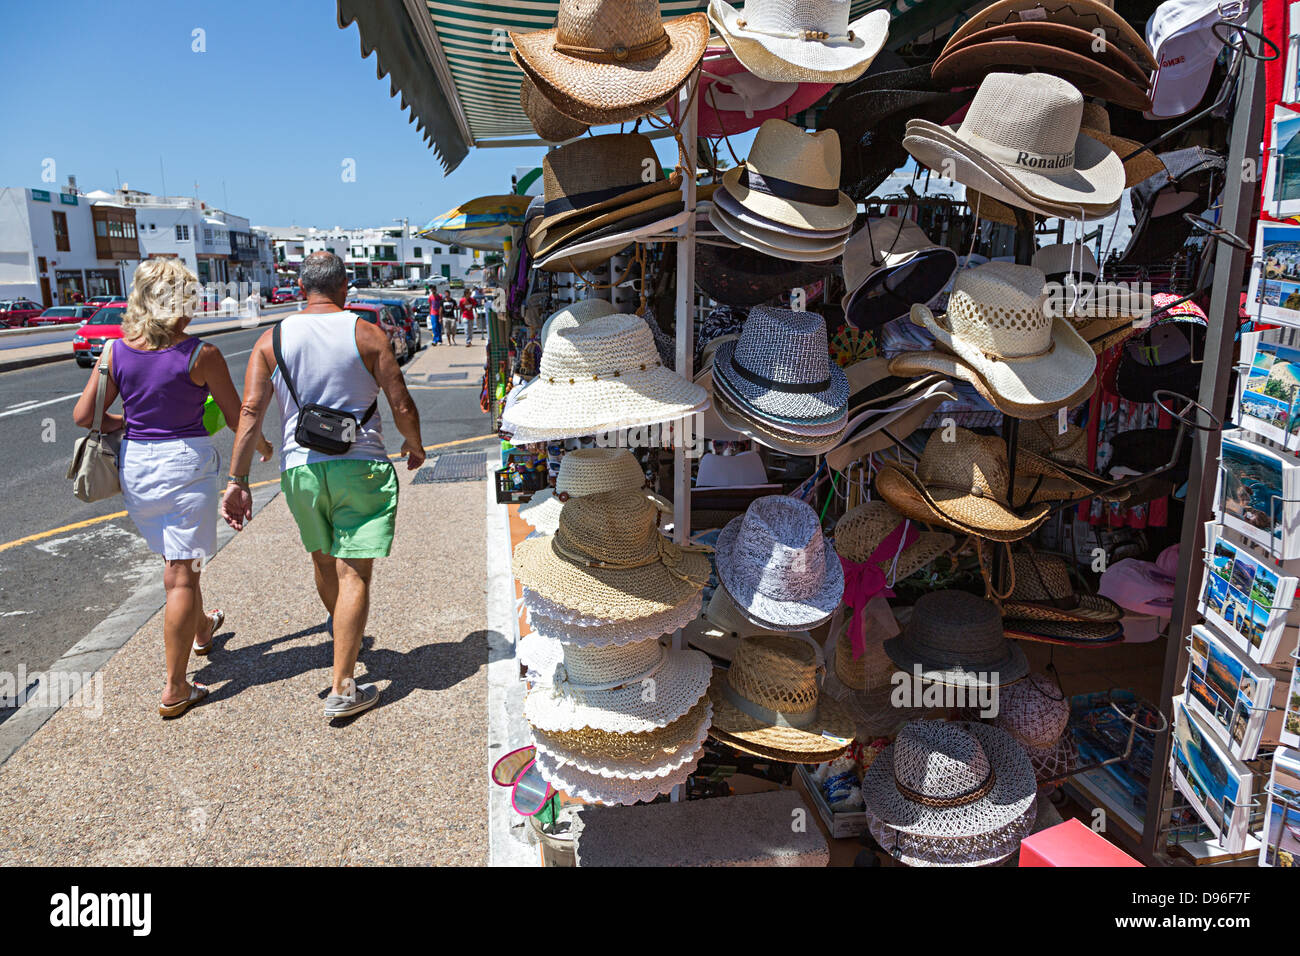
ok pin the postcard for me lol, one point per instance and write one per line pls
(1256, 493)
(1282, 178)
(1290, 734)
(1281, 836)
(1215, 783)
(1275, 273)
(1230, 694)
(1269, 401)
(1245, 597)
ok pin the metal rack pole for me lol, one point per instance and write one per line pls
(1216, 374)
(685, 314)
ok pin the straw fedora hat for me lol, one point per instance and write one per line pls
(773, 243)
(801, 40)
(613, 60)
(548, 122)
(744, 423)
(733, 100)
(957, 639)
(1065, 633)
(603, 375)
(889, 264)
(1090, 15)
(862, 531)
(608, 560)
(1024, 131)
(793, 177)
(950, 793)
(591, 249)
(584, 471)
(768, 702)
(996, 324)
(778, 567)
(1044, 591)
(885, 409)
(771, 232)
(718, 633)
(962, 485)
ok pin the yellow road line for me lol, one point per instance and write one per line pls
(77, 526)
(432, 387)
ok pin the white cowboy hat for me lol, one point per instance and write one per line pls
(801, 40)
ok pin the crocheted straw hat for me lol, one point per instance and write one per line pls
(1090, 15)
(956, 639)
(950, 792)
(719, 631)
(608, 560)
(889, 264)
(612, 791)
(575, 314)
(961, 485)
(862, 530)
(548, 122)
(1024, 133)
(585, 471)
(655, 753)
(611, 61)
(733, 100)
(777, 566)
(995, 323)
(792, 177)
(558, 625)
(603, 375)
(1044, 591)
(627, 689)
(801, 40)
(768, 702)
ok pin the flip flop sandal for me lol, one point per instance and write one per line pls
(197, 693)
(217, 618)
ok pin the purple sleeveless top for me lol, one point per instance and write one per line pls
(159, 399)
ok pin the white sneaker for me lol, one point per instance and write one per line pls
(353, 701)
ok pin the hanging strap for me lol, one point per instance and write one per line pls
(288, 379)
(101, 390)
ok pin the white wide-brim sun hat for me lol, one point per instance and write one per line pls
(555, 623)
(612, 791)
(630, 756)
(793, 59)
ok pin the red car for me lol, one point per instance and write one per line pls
(14, 313)
(382, 316)
(286, 293)
(101, 301)
(64, 315)
(90, 338)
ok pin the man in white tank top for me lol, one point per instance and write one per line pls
(345, 504)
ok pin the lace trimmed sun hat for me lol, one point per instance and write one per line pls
(777, 566)
(801, 40)
(950, 793)
(584, 471)
(956, 639)
(612, 791)
(656, 753)
(557, 625)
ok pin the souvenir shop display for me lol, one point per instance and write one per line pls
(867, 356)
(1281, 843)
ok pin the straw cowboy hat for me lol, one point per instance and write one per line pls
(733, 100)
(792, 177)
(957, 639)
(1089, 15)
(608, 560)
(778, 567)
(1066, 452)
(768, 702)
(950, 793)
(961, 485)
(718, 633)
(997, 327)
(613, 60)
(884, 409)
(1023, 132)
(584, 471)
(1044, 591)
(889, 264)
(1065, 633)
(603, 375)
(548, 122)
(801, 40)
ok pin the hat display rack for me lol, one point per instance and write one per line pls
(791, 238)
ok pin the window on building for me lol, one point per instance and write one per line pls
(130, 229)
(454, 251)
(437, 251)
(61, 242)
(101, 229)
(182, 233)
(417, 253)
(207, 234)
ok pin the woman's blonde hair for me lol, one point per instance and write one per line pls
(160, 302)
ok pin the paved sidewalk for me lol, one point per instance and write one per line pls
(256, 775)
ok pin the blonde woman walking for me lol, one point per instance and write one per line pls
(168, 466)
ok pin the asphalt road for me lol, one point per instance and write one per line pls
(64, 333)
(55, 588)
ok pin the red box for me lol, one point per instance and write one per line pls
(1072, 844)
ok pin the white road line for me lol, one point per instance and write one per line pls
(233, 354)
(30, 401)
(36, 405)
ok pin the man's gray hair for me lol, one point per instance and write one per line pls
(322, 272)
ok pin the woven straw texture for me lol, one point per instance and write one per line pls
(863, 529)
(737, 420)
(604, 375)
(574, 315)
(719, 631)
(985, 850)
(614, 161)
(1059, 759)
(803, 429)
(636, 60)
(778, 567)
(782, 150)
(595, 248)
(1034, 711)
(630, 756)
(612, 791)
(1044, 591)
(772, 243)
(1070, 633)
(594, 632)
(768, 37)
(608, 560)
(548, 122)
(949, 780)
(876, 432)
(956, 639)
(584, 471)
(788, 348)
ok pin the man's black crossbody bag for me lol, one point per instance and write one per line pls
(330, 431)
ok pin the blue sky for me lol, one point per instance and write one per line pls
(262, 120)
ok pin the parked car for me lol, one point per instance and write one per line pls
(383, 317)
(286, 293)
(14, 313)
(402, 313)
(89, 341)
(64, 315)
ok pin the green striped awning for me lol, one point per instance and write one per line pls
(449, 60)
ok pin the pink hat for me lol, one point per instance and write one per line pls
(733, 100)
(1140, 586)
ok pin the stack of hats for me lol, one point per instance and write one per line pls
(1045, 606)
(741, 276)
(777, 385)
(998, 336)
(1022, 144)
(884, 409)
(584, 471)
(950, 794)
(602, 375)
(1036, 713)
(1059, 37)
(890, 264)
(956, 639)
(600, 194)
(617, 717)
(785, 201)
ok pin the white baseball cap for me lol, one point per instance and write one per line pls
(1181, 35)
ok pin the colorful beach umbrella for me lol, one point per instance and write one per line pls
(483, 223)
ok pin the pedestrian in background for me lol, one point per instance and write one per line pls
(449, 318)
(345, 504)
(467, 314)
(168, 465)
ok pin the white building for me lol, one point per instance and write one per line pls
(372, 254)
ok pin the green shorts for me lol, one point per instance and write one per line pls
(347, 508)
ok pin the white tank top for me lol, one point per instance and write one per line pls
(320, 350)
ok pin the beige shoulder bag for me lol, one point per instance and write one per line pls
(93, 471)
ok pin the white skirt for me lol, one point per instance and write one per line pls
(172, 493)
